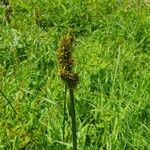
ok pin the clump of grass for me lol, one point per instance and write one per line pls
(70, 78)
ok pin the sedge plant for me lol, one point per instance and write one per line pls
(71, 79)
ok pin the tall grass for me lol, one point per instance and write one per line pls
(112, 58)
(71, 80)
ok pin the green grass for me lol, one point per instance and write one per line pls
(112, 56)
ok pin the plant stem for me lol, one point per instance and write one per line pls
(64, 119)
(73, 119)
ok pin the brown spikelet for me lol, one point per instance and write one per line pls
(8, 10)
(70, 78)
(66, 61)
(5, 2)
(8, 13)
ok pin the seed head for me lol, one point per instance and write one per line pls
(66, 61)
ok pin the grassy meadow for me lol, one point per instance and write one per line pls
(111, 56)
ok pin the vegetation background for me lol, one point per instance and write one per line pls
(112, 56)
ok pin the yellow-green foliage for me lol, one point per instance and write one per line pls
(112, 57)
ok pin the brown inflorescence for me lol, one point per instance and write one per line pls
(66, 61)
(70, 78)
(8, 14)
(8, 10)
(5, 2)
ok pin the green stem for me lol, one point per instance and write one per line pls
(64, 119)
(73, 118)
